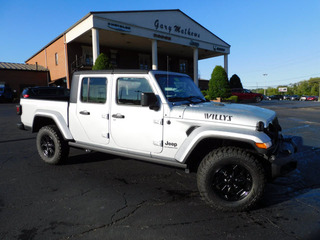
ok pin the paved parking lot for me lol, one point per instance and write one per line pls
(99, 196)
(298, 118)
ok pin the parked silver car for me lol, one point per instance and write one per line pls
(295, 98)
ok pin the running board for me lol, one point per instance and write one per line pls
(146, 158)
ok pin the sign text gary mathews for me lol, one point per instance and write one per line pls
(175, 28)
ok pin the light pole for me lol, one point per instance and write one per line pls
(265, 83)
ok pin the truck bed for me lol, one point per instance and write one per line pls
(42, 107)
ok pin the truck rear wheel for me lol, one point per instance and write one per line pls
(52, 148)
(231, 179)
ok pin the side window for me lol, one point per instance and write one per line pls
(129, 90)
(94, 90)
(56, 58)
(183, 65)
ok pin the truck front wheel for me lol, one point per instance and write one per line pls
(52, 148)
(231, 179)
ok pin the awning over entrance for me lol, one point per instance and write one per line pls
(165, 32)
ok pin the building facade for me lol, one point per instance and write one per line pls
(158, 40)
(17, 76)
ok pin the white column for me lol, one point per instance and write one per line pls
(195, 66)
(95, 44)
(154, 55)
(226, 63)
(66, 60)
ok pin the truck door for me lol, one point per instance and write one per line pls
(135, 127)
(92, 111)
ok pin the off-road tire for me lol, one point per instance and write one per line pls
(51, 146)
(231, 179)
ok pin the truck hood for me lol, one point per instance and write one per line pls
(227, 113)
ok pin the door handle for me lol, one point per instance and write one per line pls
(118, 115)
(85, 112)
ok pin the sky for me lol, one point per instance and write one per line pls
(273, 43)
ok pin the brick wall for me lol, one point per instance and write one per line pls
(47, 59)
(19, 79)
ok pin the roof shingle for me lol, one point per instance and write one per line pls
(22, 66)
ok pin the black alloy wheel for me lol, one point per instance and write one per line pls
(232, 182)
(47, 146)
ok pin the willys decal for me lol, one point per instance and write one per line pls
(219, 117)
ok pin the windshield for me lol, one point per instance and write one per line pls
(179, 88)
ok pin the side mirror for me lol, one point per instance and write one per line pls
(149, 100)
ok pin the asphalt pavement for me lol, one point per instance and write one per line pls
(100, 196)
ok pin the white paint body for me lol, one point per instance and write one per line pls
(167, 134)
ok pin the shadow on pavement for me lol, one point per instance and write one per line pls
(301, 181)
(83, 157)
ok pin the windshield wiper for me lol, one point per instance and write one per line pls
(198, 97)
(190, 99)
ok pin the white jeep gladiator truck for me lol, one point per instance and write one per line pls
(162, 117)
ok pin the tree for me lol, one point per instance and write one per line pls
(314, 90)
(218, 84)
(235, 82)
(272, 91)
(305, 87)
(102, 63)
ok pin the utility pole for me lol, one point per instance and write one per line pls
(265, 83)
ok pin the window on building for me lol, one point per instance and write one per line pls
(113, 58)
(144, 61)
(87, 57)
(56, 58)
(94, 90)
(129, 90)
(183, 65)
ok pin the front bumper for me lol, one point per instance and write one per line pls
(286, 159)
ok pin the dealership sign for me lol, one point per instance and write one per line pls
(119, 27)
(283, 89)
(183, 30)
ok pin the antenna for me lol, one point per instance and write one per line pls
(167, 75)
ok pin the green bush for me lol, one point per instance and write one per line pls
(102, 63)
(205, 94)
(219, 84)
(233, 99)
